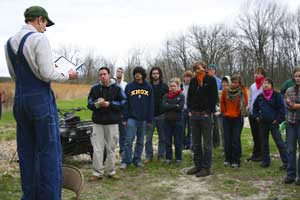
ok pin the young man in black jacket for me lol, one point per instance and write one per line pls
(201, 102)
(159, 90)
(106, 100)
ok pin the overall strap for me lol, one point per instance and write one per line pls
(21, 45)
(11, 54)
(14, 58)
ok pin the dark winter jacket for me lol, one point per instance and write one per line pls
(159, 91)
(140, 103)
(173, 107)
(202, 98)
(117, 99)
(268, 111)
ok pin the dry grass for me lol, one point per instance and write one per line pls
(63, 91)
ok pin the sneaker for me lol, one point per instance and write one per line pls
(226, 163)
(192, 171)
(203, 173)
(95, 178)
(123, 166)
(139, 164)
(168, 162)
(288, 180)
(113, 175)
(235, 165)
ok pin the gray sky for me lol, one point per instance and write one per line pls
(112, 27)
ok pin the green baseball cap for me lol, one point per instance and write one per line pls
(36, 11)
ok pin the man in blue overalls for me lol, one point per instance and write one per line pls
(31, 66)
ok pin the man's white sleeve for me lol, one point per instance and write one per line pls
(45, 62)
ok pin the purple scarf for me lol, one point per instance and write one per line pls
(268, 94)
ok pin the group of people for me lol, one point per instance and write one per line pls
(198, 114)
(192, 113)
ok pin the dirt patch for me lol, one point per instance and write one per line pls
(8, 156)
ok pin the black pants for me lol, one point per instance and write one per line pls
(257, 152)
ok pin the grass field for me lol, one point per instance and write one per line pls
(160, 181)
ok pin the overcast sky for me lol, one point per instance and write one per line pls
(112, 27)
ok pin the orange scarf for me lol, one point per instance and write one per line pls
(200, 77)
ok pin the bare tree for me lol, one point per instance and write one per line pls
(70, 52)
(135, 58)
(179, 49)
(212, 42)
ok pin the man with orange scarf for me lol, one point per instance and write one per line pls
(201, 102)
(255, 90)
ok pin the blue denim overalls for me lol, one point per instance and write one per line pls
(38, 140)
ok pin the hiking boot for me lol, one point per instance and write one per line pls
(192, 171)
(203, 173)
(288, 180)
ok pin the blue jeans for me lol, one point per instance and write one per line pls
(232, 138)
(122, 138)
(265, 128)
(134, 128)
(173, 129)
(202, 141)
(158, 122)
(186, 129)
(293, 136)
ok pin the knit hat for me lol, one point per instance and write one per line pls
(213, 66)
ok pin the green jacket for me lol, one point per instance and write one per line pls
(287, 84)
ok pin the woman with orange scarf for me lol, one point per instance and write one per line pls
(234, 101)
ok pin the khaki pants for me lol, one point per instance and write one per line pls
(104, 136)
